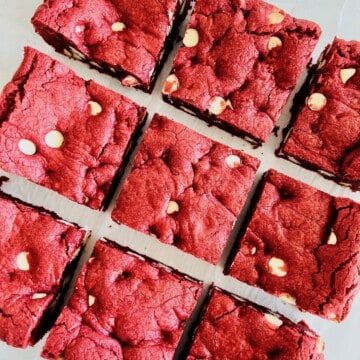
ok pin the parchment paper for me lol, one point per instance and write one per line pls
(336, 17)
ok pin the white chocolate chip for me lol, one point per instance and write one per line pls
(171, 84)
(332, 240)
(173, 207)
(276, 17)
(187, 110)
(253, 250)
(332, 316)
(76, 54)
(273, 321)
(346, 74)
(79, 29)
(274, 42)
(233, 161)
(95, 65)
(27, 147)
(288, 298)
(76, 253)
(22, 262)
(322, 63)
(320, 346)
(67, 53)
(229, 104)
(130, 81)
(54, 139)
(191, 38)
(277, 267)
(38, 296)
(91, 259)
(95, 108)
(170, 14)
(112, 322)
(316, 101)
(118, 26)
(91, 300)
(217, 105)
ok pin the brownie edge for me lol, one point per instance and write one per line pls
(123, 307)
(323, 134)
(301, 245)
(38, 256)
(125, 41)
(243, 330)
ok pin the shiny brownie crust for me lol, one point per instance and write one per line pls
(65, 133)
(185, 189)
(303, 246)
(122, 308)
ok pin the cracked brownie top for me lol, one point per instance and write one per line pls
(239, 63)
(242, 330)
(122, 308)
(126, 38)
(302, 245)
(326, 131)
(185, 189)
(62, 132)
(35, 250)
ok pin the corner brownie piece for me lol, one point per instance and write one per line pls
(303, 246)
(245, 331)
(324, 133)
(37, 254)
(122, 308)
(185, 189)
(239, 63)
(65, 133)
(125, 39)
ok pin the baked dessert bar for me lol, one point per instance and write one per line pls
(324, 132)
(125, 39)
(185, 189)
(303, 246)
(239, 63)
(122, 308)
(243, 330)
(65, 133)
(38, 253)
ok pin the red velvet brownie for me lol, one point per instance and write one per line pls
(122, 308)
(126, 41)
(185, 189)
(37, 254)
(325, 131)
(235, 329)
(303, 246)
(239, 63)
(65, 133)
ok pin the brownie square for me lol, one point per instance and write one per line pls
(65, 133)
(239, 63)
(325, 128)
(243, 330)
(125, 39)
(303, 246)
(122, 308)
(37, 256)
(185, 189)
